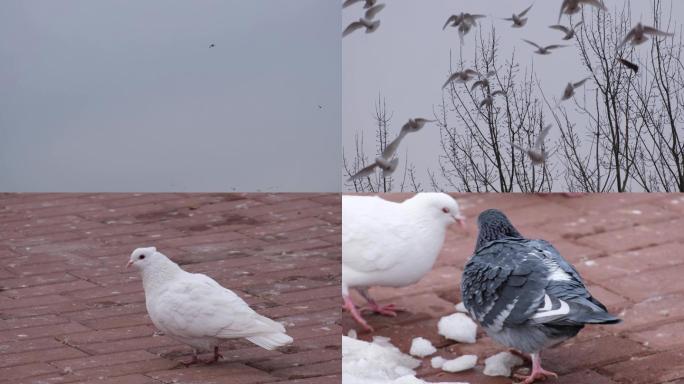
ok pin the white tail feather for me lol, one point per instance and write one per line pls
(271, 341)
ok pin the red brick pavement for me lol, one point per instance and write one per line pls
(70, 313)
(629, 248)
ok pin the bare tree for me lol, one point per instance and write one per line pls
(478, 152)
(633, 119)
(383, 136)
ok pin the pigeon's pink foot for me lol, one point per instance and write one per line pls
(538, 373)
(349, 306)
(386, 310)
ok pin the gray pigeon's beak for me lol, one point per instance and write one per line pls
(130, 262)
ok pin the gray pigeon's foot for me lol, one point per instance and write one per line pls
(521, 355)
(349, 306)
(539, 374)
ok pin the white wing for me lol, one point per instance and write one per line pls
(196, 306)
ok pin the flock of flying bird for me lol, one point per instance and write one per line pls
(464, 22)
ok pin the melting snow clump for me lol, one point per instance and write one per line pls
(501, 364)
(458, 327)
(421, 347)
(437, 362)
(459, 364)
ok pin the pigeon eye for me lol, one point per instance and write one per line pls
(445, 210)
(141, 257)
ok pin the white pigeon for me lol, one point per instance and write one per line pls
(194, 309)
(391, 244)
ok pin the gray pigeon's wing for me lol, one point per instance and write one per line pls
(502, 284)
(364, 172)
(352, 27)
(373, 11)
(656, 32)
(562, 8)
(523, 13)
(569, 287)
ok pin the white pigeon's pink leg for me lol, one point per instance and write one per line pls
(538, 373)
(386, 310)
(349, 306)
(217, 355)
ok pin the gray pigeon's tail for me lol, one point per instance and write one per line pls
(601, 318)
(271, 341)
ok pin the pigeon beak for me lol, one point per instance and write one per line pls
(461, 221)
(130, 262)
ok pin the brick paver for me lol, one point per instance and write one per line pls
(629, 248)
(70, 312)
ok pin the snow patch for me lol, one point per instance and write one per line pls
(421, 347)
(458, 327)
(501, 364)
(459, 364)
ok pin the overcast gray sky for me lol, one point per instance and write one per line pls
(407, 61)
(126, 95)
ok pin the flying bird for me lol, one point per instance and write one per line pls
(489, 100)
(523, 293)
(387, 166)
(413, 125)
(569, 32)
(519, 20)
(570, 7)
(536, 154)
(371, 26)
(629, 64)
(391, 244)
(464, 21)
(570, 89)
(373, 11)
(212, 45)
(637, 35)
(367, 3)
(461, 77)
(194, 309)
(544, 50)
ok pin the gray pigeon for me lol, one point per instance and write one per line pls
(523, 293)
